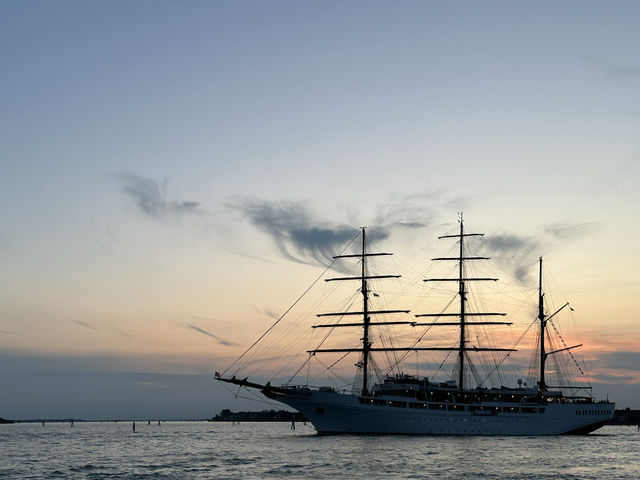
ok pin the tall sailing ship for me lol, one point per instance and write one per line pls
(399, 403)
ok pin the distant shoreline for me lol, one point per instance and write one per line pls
(620, 417)
(625, 417)
(227, 415)
(109, 420)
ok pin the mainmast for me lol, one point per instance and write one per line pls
(463, 300)
(462, 293)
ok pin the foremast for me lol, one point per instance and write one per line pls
(366, 344)
(366, 313)
(366, 323)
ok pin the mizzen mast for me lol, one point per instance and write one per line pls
(544, 320)
(543, 327)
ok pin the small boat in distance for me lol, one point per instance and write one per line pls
(399, 403)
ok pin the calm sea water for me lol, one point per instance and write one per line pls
(272, 450)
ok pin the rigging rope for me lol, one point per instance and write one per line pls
(565, 344)
(508, 353)
(256, 399)
(290, 308)
(419, 339)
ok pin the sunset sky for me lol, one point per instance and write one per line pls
(173, 175)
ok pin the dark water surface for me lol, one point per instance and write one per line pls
(272, 450)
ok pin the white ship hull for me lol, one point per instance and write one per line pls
(332, 413)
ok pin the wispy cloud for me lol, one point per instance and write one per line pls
(221, 341)
(89, 326)
(620, 360)
(516, 251)
(6, 332)
(510, 244)
(628, 76)
(84, 324)
(302, 237)
(616, 376)
(569, 231)
(267, 311)
(408, 211)
(211, 319)
(513, 252)
(297, 234)
(121, 332)
(151, 198)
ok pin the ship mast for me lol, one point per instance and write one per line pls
(543, 328)
(366, 344)
(544, 320)
(463, 300)
(368, 347)
(366, 313)
(462, 293)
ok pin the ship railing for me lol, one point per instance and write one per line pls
(313, 388)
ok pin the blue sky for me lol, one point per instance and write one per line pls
(156, 156)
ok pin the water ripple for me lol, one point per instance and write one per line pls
(201, 450)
